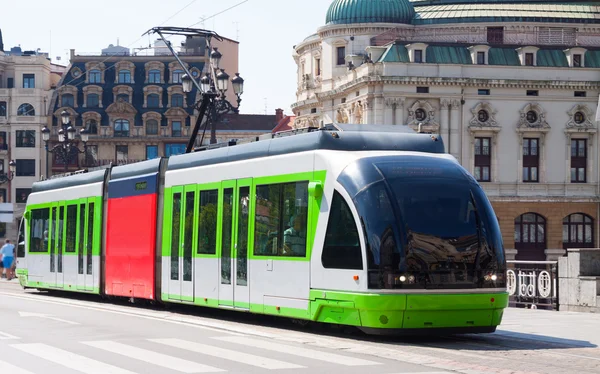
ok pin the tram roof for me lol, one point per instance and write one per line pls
(339, 137)
(74, 179)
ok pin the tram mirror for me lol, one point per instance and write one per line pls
(315, 189)
(27, 214)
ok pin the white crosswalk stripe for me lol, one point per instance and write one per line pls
(156, 358)
(5, 367)
(70, 359)
(5, 336)
(298, 351)
(226, 354)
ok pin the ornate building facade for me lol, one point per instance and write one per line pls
(27, 81)
(134, 107)
(512, 86)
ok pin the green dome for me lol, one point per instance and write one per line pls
(370, 11)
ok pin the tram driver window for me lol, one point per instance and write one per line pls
(342, 245)
(38, 238)
(281, 219)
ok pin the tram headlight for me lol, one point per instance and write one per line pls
(402, 278)
(411, 279)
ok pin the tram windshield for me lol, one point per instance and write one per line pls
(427, 224)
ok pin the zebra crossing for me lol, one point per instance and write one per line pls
(166, 355)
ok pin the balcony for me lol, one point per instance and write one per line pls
(584, 192)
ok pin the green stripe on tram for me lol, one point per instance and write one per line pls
(377, 310)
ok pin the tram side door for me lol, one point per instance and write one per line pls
(82, 243)
(181, 277)
(234, 290)
(57, 244)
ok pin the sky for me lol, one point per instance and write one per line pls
(266, 29)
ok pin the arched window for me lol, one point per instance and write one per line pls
(152, 127)
(121, 128)
(93, 100)
(91, 126)
(530, 237)
(68, 100)
(177, 100)
(26, 110)
(154, 76)
(124, 76)
(153, 101)
(578, 231)
(94, 76)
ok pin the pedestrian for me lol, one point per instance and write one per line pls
(8, 254)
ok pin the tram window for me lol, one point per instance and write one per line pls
(175, 223)
(70, 245)
(188, 230)
(226, 236)
(81, 236)
(21, 240)
(342, 245)
(90, 237)
(281, 219)
(38, 231)
(60, 224)
(207, 222)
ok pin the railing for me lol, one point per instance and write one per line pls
(533, 284)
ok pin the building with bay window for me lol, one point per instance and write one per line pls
(512, 86)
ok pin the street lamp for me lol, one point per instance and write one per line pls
(66, 141)
(207, 85)
(12, 167)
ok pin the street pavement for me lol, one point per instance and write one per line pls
(47, 334)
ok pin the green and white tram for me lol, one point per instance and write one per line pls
(358, 226)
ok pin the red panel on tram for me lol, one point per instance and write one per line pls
(131, 237)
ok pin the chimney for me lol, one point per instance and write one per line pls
(278, 115)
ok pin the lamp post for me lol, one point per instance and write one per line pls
(12, 167)
(216, 90)
(66, 141)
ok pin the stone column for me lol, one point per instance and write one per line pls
(444, 124)
(568, 158)
(368, 112)
(455, 127)
(388, 115)
(399, 112)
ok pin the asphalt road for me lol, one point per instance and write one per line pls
(47, 334)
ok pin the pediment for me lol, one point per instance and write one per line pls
(176, 112)
(121, 107)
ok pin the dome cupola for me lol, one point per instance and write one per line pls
(370, 11)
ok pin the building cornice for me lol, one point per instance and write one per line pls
(372, 80)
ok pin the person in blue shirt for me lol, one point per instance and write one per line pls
(8, 255)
